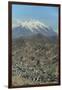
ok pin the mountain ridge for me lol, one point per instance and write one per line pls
(29, 28)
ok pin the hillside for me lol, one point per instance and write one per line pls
(34, 60)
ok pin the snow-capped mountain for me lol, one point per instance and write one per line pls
(31, 27)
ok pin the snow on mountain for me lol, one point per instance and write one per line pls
(30, 24)
(30, 27)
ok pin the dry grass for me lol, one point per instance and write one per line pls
(17, 80)
(20, 81)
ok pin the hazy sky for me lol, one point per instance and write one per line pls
(46, 14)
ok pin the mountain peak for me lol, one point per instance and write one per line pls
(31, 24)
(32, 27)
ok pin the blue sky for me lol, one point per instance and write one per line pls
(46, 14)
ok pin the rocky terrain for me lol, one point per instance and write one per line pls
(34, 61)
(34, 54)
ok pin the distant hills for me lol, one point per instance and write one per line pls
(31, 28)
